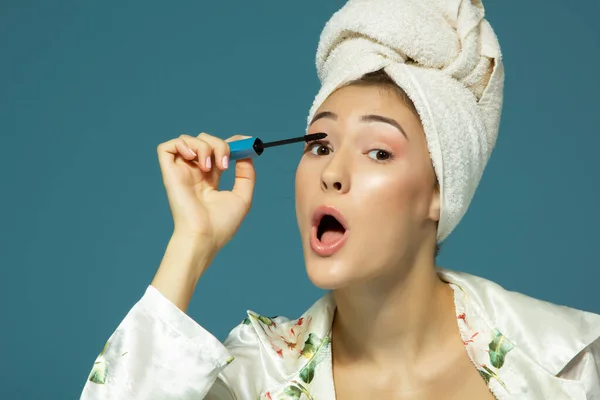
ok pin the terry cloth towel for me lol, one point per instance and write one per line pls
(447, 59)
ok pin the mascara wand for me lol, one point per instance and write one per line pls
(252, 147)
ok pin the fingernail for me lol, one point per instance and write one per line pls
(192, 152)
(207, 162)
(225, 162)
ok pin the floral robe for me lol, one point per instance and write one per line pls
(523, 348)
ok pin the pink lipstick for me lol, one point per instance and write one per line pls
(329, 231)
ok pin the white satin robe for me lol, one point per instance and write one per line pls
(524, 348)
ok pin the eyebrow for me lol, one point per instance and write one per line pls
(386, 120)
(323, 114)
(364, 118)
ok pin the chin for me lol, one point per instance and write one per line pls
(329, 273)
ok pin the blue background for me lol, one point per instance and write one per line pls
(89, 89)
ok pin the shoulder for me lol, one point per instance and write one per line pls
(538, 327)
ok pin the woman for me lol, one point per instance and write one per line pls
(410, 100)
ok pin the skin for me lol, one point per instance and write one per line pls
(381, 179)
(204, 217)
(410, 348)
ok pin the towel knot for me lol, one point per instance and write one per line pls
(451, 36)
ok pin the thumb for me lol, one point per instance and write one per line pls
(245, 178)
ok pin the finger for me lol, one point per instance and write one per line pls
(237, 137)
(203, 149)
(220, 150)
(245, 179)
(173, 148)
(212, 174)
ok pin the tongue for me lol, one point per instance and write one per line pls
(330, 237)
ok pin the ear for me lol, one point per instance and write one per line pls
(435, 205)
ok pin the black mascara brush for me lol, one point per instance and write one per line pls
(252, 147)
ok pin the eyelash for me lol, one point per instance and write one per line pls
(319, 143)
(315, 143)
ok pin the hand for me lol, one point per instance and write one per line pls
(191, 168)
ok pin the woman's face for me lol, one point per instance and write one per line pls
(374, 175)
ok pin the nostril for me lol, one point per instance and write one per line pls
(337, 186)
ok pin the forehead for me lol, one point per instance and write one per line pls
(352, 102)
(362, 99)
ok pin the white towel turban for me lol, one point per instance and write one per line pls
(446, 57)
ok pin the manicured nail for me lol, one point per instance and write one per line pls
(225, 162)
(207, 162)
(192, 152)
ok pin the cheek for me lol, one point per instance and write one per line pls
(303, 178)
(389, 189)
(397, 191)
(379, 188)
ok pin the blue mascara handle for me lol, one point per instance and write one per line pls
(245, 148)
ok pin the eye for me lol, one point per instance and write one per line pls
(318, 148)
(380, 155)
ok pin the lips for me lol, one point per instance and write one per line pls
(329, 231)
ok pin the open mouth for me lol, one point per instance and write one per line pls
(330, 230)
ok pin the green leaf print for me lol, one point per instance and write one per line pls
(103, 349)
(315, 348)
(265, 320)
(246, 321)
(307, 373)
(293, 392)
(486, 376)
(311, 345)
(489, 374)
(499, 346)
(99, 372)
(100, 368)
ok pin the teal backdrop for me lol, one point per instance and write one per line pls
(89, 89)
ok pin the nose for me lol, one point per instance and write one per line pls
(335, 176)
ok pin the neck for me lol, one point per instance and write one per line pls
(392, 318)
